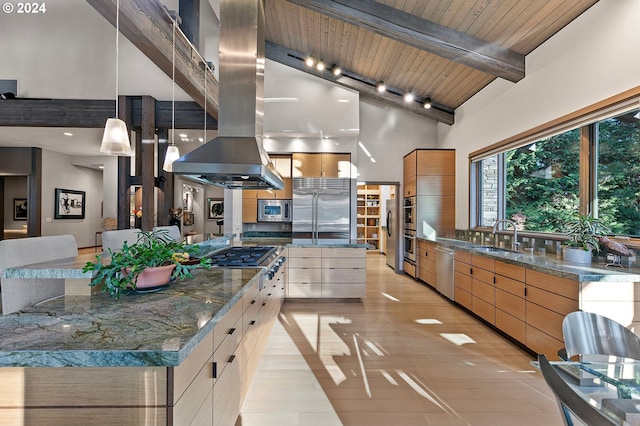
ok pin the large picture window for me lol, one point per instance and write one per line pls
(537, 183)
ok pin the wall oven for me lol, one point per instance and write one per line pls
(410, 213)
(274, 210)
(410, 245)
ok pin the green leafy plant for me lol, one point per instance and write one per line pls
(151, 249)
(583, 232)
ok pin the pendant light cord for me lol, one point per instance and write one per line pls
(173, 88)
(117, 50)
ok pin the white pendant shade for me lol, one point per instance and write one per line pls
(172, 155)
(115, 140)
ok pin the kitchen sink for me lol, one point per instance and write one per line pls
(496, 250)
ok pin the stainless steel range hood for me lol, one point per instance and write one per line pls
(236, 158)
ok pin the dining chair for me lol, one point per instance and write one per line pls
(18, 293)
(115, 239)
(172, 232)
(570, 403)
(588, 333)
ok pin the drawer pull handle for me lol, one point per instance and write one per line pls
(231, 331)
(214, 370)
(264, 303)
(269, 294)
(252, 322)
(231, 358)
(253, 301)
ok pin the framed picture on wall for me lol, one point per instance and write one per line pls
(20, 209)
(187, 219)
(69, 204)
(216, 208)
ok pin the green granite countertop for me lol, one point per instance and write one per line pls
(549, 264)
(153, 329)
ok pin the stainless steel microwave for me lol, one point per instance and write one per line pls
(274, 210)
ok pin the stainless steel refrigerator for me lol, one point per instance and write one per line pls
(393, 234)
(321, 210)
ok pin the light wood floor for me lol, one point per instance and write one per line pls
(405, 356)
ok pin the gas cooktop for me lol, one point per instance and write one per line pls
(243, 256)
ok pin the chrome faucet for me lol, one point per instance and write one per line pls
(514, 244)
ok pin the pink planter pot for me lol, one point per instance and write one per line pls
(154, 277)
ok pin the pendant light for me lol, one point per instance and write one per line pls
(115, 140)
(172, 150)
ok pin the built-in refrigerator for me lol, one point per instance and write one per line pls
(321, 210)
(393, 234)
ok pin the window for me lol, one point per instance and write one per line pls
(538, 181)
(618, 173)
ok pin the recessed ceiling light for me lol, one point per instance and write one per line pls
(183, 135)
(68, 134)
(201, 139)
(344, 100)
(269, 100)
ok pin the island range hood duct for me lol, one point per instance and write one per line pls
(236, 159)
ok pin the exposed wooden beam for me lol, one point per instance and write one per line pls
(422, 34)
(146, 23)
(87, 113)
(364, 85)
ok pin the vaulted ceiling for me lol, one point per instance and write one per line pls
(447, 50)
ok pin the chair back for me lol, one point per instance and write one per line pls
(172, 232)
(18, 293)
(569, 401)
(115, 239)
(587, 333)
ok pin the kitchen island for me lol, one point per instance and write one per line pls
(182, 355)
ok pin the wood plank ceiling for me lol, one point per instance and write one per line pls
(394, 41)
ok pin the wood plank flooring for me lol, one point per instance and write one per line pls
(405, 356)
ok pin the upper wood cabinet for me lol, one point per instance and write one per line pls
(435, 166)
(321, 165)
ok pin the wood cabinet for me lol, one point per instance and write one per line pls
(510, 300)
(462, 278)
(321, 165)
(426, 262)
(482, 287)
(368, 215)
(250, 199)
(429, 175)
(548, 300)
(326, 272)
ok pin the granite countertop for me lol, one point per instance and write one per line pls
(154, 329)
(329, 245)
(549, 264)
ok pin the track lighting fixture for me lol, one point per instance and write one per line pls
(427, 103)
(336, 70)
(408, 97)
(320, 66)
(309, 61)
(381, 87)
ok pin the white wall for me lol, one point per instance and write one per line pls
(389, 134)
(58, 172)
(591, 59)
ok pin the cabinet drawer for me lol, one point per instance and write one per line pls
(462, 281)
(304, 275)
(483, 290)
(188, 405)
(464, 298)
(304, 252)
(554, 302)
(513, 305)
(462, 256)
(184, 373)
(344, 275)
(545, 320)
(462, 267)
(250, 296)
(482, 262)
(482, 275)
(304, 290)
(344, 262)
(512, 326)
(227, 322)
(340, 290)
(510, 285)
(483, 309)
(226, 396)
(515, 272)
(343, 252)
(227, 352)
(542, 343)
(304, 262)
(553, 284)
(410, 269)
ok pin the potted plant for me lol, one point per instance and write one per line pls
(583, 232)
(153, 256)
